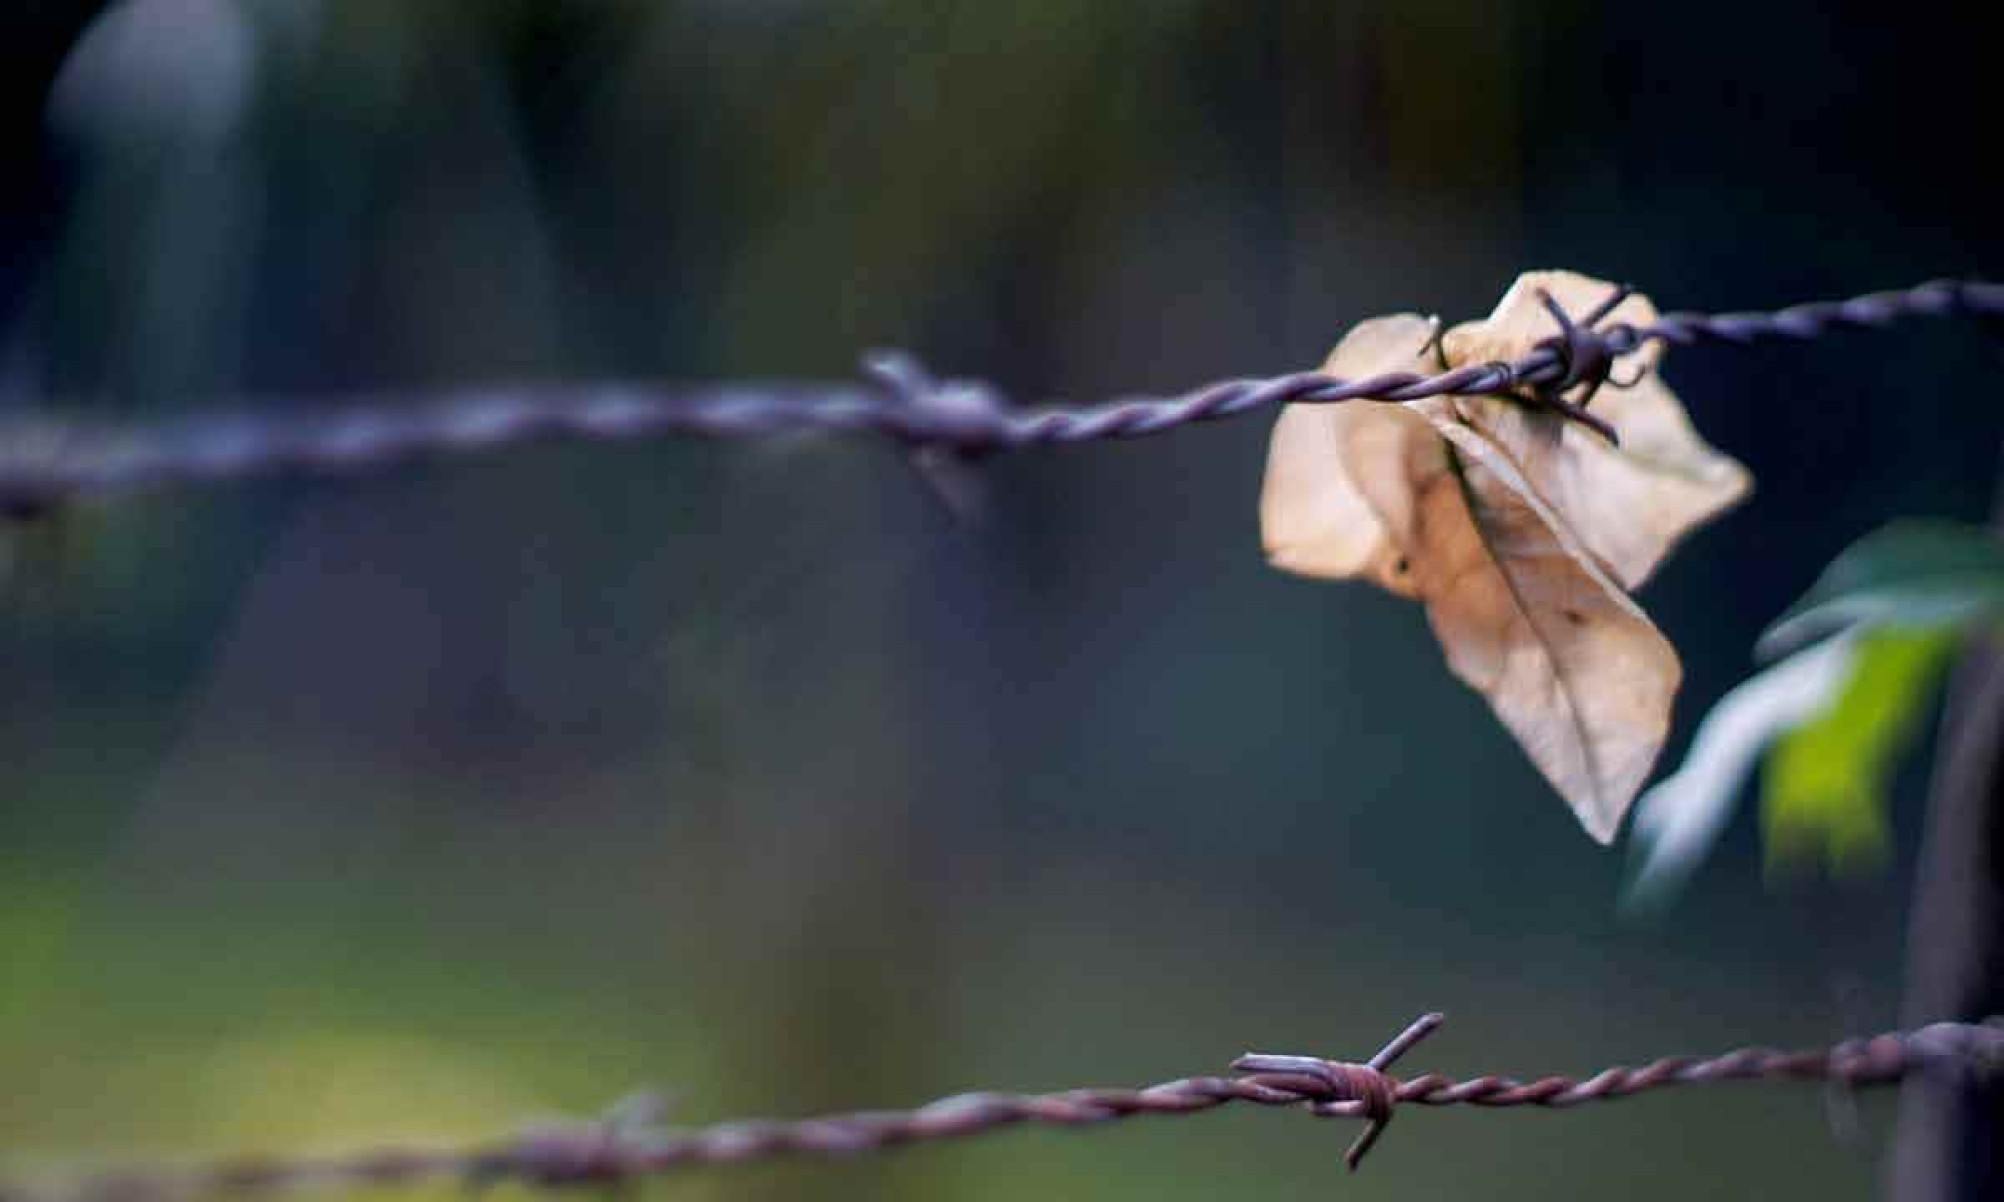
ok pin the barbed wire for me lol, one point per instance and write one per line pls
(47, 458)
(621, 1149)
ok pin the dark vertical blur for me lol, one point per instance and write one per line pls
(428, 802)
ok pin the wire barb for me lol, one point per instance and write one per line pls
(627, 1146)
(1586, 361)
(47, 458)
(1362, 1086)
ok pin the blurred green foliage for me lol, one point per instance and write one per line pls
(1908, 591)
(1831, 719)
(1909, 572)
(1826, 794)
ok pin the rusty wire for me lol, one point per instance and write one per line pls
(47, 458)
(610, 1152)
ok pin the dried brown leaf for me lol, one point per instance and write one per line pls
(1520, 320)
(1570, 665)
(1338, 477)
(1629, 504)
(1517, 532)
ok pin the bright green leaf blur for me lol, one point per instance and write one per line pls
(1826, 782)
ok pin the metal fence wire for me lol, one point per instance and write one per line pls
(46, 458)
(615, 1151)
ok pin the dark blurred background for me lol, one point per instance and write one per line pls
(425, 803)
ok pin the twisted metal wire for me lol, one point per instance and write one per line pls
(45, 458)
(607, 1153)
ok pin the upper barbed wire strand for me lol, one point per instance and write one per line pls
(47, 458)
(604, 1153)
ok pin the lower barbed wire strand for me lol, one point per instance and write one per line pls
(47, 457)
(586, 1153)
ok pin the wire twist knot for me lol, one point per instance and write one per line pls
(1341, 1088)
(1586, 353)
(1358, 1090)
